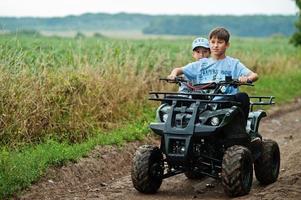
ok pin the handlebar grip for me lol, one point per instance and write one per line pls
(249, 81)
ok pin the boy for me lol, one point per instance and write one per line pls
(218, 66)
(200, 49)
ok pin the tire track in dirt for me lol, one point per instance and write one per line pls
(105, 173)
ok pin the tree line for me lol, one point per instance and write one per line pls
(251, 26)
(247, 25)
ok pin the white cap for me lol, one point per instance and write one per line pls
(200, 42)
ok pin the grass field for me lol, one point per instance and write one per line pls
(68, 95)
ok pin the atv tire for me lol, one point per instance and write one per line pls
(237, 171)
(268, 164)
(147, 169)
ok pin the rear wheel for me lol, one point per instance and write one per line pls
(147, 169)
(268, 164)
(237, 171)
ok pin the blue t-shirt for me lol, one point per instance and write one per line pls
(208, 70)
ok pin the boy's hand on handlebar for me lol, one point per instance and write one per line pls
(171, 77)
(244, 79)
(174, 73)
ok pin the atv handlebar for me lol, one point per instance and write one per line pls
(205, 86)
(176, 80)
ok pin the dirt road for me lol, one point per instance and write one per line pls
(105, 173)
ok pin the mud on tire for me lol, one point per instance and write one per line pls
(237, 171)
(147, 169)
(268, 164)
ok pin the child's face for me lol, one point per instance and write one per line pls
(218, 47)
(200, 52)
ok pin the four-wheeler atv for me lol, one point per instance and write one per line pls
(204, 133)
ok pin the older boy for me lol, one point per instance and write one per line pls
(218, 66)
(200, 49)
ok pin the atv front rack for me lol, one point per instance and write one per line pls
(193, 97)
(261, 101)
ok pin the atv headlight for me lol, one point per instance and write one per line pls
(214, 121)
(164, 117)
(162, 112)
(182, 150)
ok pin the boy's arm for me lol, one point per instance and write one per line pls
(250, 77)
(245, 75)
(175, 72)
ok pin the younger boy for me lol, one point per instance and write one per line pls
(218, 66)
(200, 49)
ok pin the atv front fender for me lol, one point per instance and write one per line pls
(254, 120)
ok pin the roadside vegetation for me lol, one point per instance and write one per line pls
(60, 97)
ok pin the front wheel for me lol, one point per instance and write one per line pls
(237, 171)
(268, 164)
(147, 169)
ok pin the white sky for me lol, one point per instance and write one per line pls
(48, 8)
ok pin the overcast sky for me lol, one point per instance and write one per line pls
(47, 8)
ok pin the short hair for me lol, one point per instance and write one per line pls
(220, 33)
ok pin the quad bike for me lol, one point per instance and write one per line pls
(204, 133)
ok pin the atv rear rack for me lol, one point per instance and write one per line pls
(261, 101)
(193, 97)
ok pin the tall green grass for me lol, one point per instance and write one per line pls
(70, 89)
